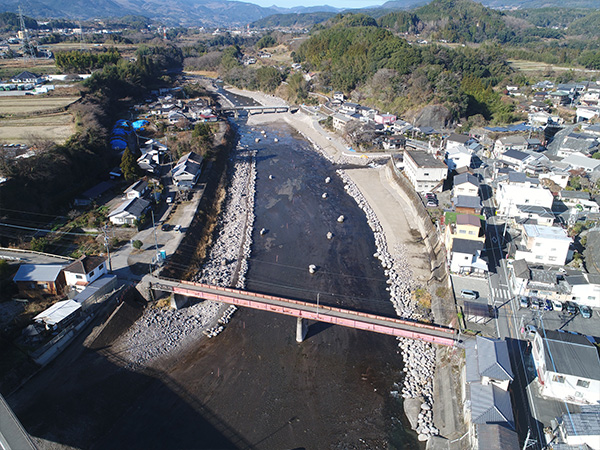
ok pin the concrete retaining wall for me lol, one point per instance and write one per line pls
(429, 233)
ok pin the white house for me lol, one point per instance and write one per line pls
(585, 289)
(579, 161)
(424, 171)
(128, 212)
(538, 214)
(137, 189)
(458, 156)
(84, 271)
(515, 159)
(585, 113)
(568, 367)
(509, 196)
(465, 257)
(340, 121)
(560, 177)
(349, 108)
(544, 245)
(578, 201)
(466, 184)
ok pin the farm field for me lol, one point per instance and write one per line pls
(534, 66)
(21, 105)
(53, 127)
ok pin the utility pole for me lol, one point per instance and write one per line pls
(25, 37)
(318, 294)
(107, 247)
(155, 238)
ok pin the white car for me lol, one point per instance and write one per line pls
(177, 228)
(558, 306)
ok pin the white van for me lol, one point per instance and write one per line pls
(468, 293)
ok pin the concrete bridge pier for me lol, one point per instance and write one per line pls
(301, 329)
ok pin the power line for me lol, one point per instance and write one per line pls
(49, 231)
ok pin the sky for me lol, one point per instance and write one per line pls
(336, 3)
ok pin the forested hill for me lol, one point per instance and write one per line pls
(356, 55)
(293, 20)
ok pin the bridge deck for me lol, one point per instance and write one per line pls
(353, 319)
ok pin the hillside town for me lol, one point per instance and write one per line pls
(505, 218)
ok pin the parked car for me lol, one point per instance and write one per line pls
(530, 331)
(586, 311)
(571, 308)
(468, 293)
(165, 227)
(548, 305)
(558, 306)
(536, 303)
(177, 228)
(431, 203)
(523, 302)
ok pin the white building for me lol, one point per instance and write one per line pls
(579, 161)
(424, 171)
(514, 142)
(187, 170)
(458, 156)
(128, 212)
(544, 245)
(510, 196)
(85, 270)
(137, 189)
(340, 121)
(568, 367)
(585, 289)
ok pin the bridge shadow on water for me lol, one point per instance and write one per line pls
(97, 402)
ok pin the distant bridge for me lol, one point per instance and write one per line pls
(435, 334)
(257, 109)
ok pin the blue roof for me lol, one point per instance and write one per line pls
(123, 123)
(139, 124)
(119, 144)
(517, 127)
(119, 131)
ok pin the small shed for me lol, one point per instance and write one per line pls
(59, 315)
(478, 312)
(40, 278)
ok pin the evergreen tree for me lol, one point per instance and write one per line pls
(129, 165)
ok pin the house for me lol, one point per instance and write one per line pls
(137, 189)
(187, 170)
(338, 96)
(581, 429)
(543, 245)
(521, 179)
(486, 399)
(466, 226)
(567, 366)
(457, 157)
(176, 116)
(559, 98)
(487, 362)
(510, 196)
(538, 215)
(340, 121)
(585, 113)
(585, 289)
(578, 201)
(84, 271)
(40, 278)
(512, 142)
(94, 291)
(59, 315)
(577, 143)
(467, 204)
(458, 140)
(579, 161)
(385, 119)
(394, 142)
(465, 257)
(349, 108)
(27, 77)
(129, 212)
(514, 159)
(424, 171)
(535, 145)
(466, 184)
(538, 281)
(93, 193)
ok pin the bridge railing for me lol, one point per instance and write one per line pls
(324, 308)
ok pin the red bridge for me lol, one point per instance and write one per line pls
(303, 310)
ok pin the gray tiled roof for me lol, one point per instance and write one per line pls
(515, 154)
(496, 436)
(585, 423)
(571, 354)
(466, 178)
(490, 404)
(466, 246)
(521, 269)
(493, 359)
(467, 201)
